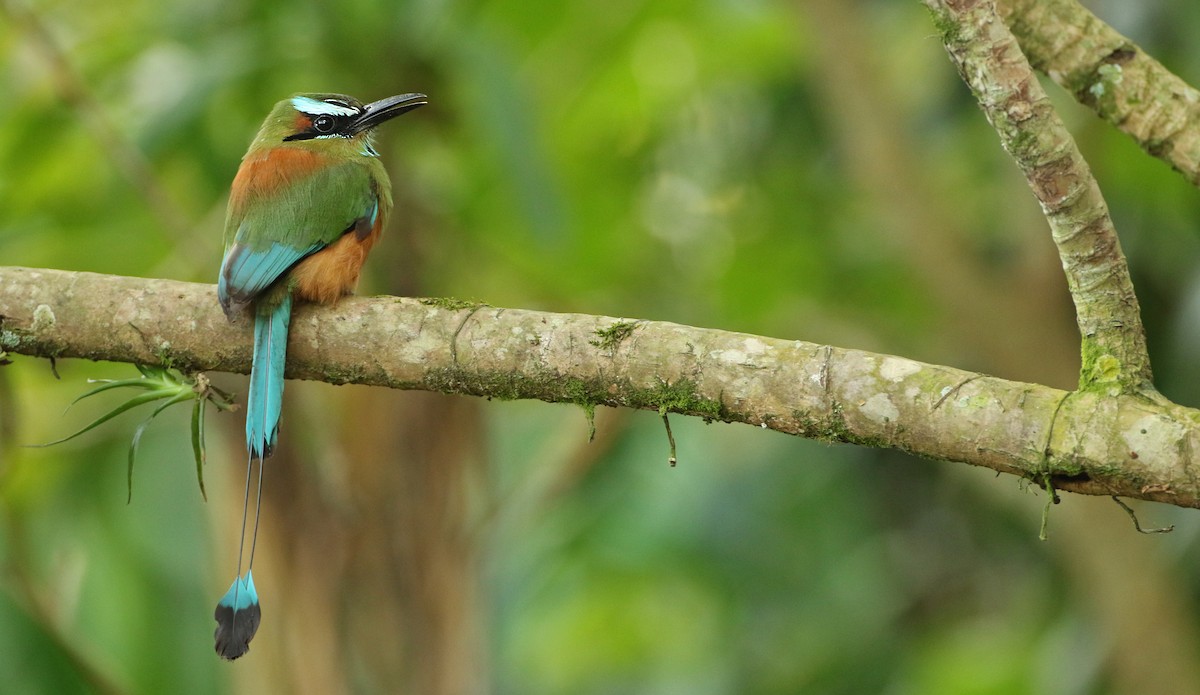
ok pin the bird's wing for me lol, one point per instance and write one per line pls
(272, 227)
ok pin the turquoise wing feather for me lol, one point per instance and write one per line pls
(267, 235)
(246, 273)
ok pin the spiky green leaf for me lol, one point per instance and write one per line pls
(131, 403)
(133, 445)
(198, 451)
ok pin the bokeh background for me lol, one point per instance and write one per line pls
(812, 169)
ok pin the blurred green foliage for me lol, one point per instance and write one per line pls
(810, 169)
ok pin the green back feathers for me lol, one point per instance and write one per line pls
(299, 207)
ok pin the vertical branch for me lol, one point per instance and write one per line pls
(1004, 84)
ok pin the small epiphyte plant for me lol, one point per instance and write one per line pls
(170, 387)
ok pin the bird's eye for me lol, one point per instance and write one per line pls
(324, 124)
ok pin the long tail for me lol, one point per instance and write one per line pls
(238, 612)
(266, 378)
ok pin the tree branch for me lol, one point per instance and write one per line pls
(1111, 75)
(1082, 441)
(1003, 82)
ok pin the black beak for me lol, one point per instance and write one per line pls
(379, 111)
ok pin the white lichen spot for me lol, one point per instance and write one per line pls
(1154, 438)
(896, 368)
(880, 409)
(751, 348)
(730, 356)
(43, 318)
(1109, 74)
(754, 346)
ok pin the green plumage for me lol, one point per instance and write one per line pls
(309, 208)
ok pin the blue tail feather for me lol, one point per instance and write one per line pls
(237, 612)
(241, 595)
(266, 378)
(238, 616)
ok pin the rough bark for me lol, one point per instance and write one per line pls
(1003, 82)
(1113, 76)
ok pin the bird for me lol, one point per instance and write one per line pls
(309, 200)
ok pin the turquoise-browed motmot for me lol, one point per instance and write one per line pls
(308, 202)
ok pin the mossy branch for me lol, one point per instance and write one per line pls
(1086, 442)
(1003, 82)
(1113, 76)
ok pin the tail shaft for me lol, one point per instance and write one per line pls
(266, 378)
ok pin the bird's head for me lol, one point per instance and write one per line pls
(331, 121)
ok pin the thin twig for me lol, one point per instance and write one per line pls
(950, 391)
(670, 437)
(1136, 524)
(1052, 499)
